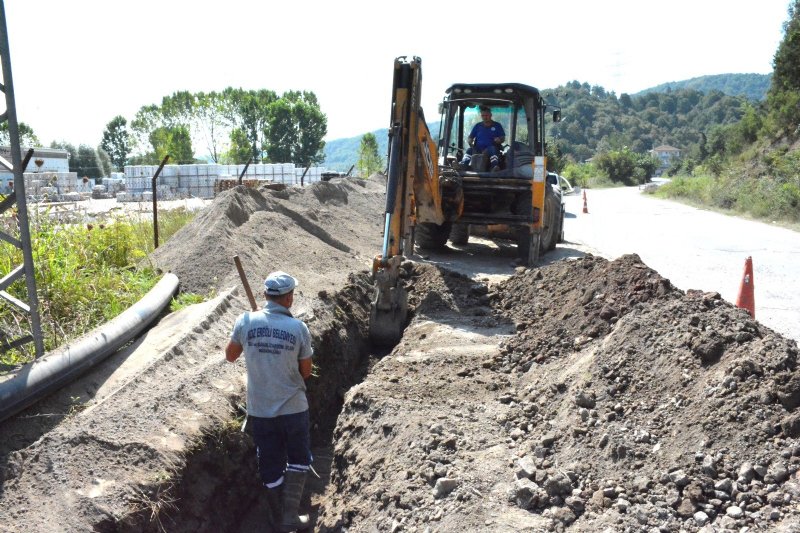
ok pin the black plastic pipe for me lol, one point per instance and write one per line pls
(36, 380)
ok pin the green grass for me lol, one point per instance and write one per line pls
(86, 274)
(185, 300)
(766, 198)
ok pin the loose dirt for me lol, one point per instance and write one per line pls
(584, 395)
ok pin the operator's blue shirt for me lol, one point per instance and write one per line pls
(485, 135)
(273, 341)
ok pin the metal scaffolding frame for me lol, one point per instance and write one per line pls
(17, 199)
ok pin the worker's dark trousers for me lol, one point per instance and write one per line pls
(491, 151)
(282, 443)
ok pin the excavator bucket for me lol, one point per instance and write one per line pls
(389, 310)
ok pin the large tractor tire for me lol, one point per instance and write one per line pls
(524, 239)
(552, 220)
(459, 234)
(429, 236)
(522, 206)
(551, 228)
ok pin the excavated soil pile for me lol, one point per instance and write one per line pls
(321, 233)
(596, 397)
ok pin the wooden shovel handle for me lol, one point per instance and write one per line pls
(247, 290)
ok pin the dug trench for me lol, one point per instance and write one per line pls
(219, 468)
(216, 487)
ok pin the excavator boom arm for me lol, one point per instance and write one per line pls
(412, 184)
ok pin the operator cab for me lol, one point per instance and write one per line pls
(518, 108)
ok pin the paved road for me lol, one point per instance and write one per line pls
(694, 248)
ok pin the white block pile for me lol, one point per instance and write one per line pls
(61, 182)
(181, 181)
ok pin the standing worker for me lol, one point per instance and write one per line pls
(277, 351)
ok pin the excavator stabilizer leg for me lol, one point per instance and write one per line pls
(389, 312)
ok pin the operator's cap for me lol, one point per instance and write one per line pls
(279, 283)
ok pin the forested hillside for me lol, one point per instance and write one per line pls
(595, 120)
(341, 154)
(752, 86)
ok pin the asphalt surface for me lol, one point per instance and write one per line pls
(694, 248)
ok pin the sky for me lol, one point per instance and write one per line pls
(77, 64)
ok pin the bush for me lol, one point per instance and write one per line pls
(627, 167)
(764, 197)
(579, 173)
(693, 189)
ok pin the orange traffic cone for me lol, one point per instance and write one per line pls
(745, 300)
(585, 208)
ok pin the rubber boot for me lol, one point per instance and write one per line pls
(275, 508)
(293, 484)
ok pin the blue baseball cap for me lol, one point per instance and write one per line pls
(279, 283)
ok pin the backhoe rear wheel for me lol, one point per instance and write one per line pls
(459, 234)
(431, 236)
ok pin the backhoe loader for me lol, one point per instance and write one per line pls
(432, 196)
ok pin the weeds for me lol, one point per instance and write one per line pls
(156, 505)
(86, 274)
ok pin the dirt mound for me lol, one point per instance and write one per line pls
(684, 400)
(569, 304)
(326, 228)
(614, 401)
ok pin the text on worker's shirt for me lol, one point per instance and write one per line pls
(272, 333)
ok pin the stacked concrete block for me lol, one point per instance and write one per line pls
(203, 180)
(62, 182)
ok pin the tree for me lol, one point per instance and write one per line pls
(282, 135)
(106, 166)
(786, 63)
(369, 161)
(645, 167)
(296, 129)
(625, 166)
(206, 115)
(312, 125)
(249, 111)
(784, 94)
(72, 152)
(287, 129)
(116, 141)
(26, 135)
(240, 149)
(147, 119)
(211, 123)
(556, 158)
(86, 163)
(175, 142)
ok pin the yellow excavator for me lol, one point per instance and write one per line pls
(435, 193)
